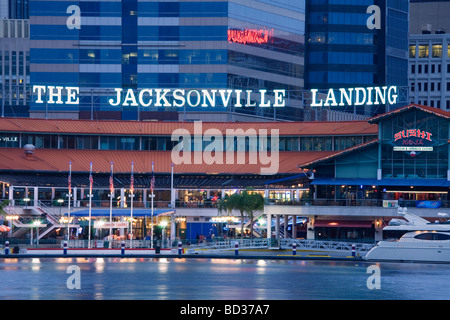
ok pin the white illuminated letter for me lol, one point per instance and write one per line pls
(330, 97)
(52, 94)
(393, 96)
(188, 99)
(72, 93)
(359, 102)
(141, 96)
(348, 97)
(225, 100)
(381, 95)
(119, 93)
(40, 90)
(130, 97)
(264, 103)
(178, 95)
(279, 98)
(211, 98)
(160, 97)
(314, 99)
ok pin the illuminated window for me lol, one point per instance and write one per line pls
(412, 51)
(424, 51)
(437, 51)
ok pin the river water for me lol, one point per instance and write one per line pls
(218, 279)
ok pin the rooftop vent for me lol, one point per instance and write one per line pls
(29, 150)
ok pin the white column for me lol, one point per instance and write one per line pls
(145, 197)
(310, 225)
(122, 198)
(285, 226)
(11, 195)
(74, 195)
(277, 227)
(36, 199)
(294, 227)
(269, 226)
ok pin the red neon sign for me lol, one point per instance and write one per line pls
(250, 36)
(413, 133)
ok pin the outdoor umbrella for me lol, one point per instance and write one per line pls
(4, 228)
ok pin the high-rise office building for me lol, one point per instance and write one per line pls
(429, 53)
(198, 44)
(346, 49)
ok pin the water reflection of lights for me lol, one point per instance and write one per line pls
(35, 264)
(226, 261)
(99, 265)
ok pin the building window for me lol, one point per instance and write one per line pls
(437, 51)
(412, 51)
(448, 104)
(424, 51)
(433, 68)
(432, 86)
(420, 68)
(413, 68)
(426, 68)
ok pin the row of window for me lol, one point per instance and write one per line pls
(423, 51)
(341, 38)
(11, 140)
(423, 86)
(428, 68)
(434, 103)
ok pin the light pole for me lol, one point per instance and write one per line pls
(37, 223)
(163, 224)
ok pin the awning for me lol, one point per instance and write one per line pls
(343, 182)
(120, 212)
(343, 223)
(384, 182)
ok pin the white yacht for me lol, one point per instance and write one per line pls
(422, 241)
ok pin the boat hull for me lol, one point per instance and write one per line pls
(386, 251)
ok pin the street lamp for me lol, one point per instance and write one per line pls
(163, 224)
(26, 200)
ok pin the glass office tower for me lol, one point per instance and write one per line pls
(343, 52)
(198, 44)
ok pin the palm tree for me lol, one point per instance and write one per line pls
(252, 203)
(230, 203)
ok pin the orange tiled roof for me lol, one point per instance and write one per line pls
(435, 111)
(167, 128)
(54, 160)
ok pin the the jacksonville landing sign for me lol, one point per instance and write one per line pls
(223, 97)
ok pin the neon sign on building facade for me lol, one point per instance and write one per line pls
(412, 140)
(248, 36)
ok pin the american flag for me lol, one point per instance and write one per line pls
(152, 182)
(132, 180)
(111, 180)
(69, 179)
(91, 181)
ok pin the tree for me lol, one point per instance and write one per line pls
(230, 203)
(252, 203)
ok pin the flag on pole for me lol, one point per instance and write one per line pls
(152, 182)
(132, 179)
(91, 180)
(111, 180)
(69, 179)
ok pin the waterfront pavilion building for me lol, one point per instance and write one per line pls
(334, 180)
